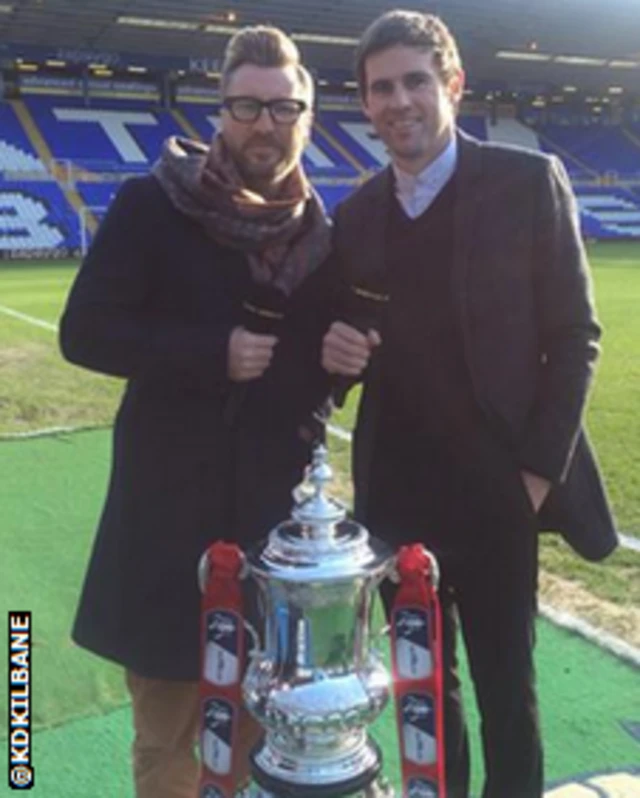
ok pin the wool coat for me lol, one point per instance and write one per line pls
(154, 303)
(524, 308)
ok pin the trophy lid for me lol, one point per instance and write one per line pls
(319, 542)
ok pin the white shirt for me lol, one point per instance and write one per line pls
(416, 192)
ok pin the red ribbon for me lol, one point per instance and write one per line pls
(222, 670)
(416, 652)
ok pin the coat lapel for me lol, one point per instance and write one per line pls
(468, 200)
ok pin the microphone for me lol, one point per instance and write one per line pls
(362, 306)
(263, 311)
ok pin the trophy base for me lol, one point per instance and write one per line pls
(380, 788)
(361, 785)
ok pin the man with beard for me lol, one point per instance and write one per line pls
(209, 438)
(469, 435)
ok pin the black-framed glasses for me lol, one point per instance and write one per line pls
(248, 109)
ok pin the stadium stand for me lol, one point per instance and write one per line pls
(61, 162)
(602, 149)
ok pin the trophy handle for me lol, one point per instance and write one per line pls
(204, 571)
(255, 638)
(380, 639)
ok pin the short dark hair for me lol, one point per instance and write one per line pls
(264, 46)
(411, 29)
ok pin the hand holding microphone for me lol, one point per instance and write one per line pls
(349, 344)
(251, 344)
(346, 351)
(249, 354)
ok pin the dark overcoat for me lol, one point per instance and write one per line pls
(523, 302)
(154, 302)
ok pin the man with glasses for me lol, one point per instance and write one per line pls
(210, 436)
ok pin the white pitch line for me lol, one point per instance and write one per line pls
(610, 642)
(338, 432)
(628, 542)
(50, 432)
(29, 319)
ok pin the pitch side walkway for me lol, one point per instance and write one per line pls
(51, 490)
(591, 719)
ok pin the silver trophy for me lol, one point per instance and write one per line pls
(317, 682)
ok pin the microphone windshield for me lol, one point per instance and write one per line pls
(263, 309)
(364, 306)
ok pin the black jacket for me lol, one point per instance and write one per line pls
(523, 302)
(154, 302)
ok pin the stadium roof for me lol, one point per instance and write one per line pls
(539, 39)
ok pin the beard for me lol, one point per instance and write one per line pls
(261, 158)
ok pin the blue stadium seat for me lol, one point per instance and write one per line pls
(35, 215)
(609, 213)
(594, 149)
(16, 152)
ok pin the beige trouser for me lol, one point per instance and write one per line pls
(166, 723)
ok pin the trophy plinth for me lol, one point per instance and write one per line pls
(317, 683)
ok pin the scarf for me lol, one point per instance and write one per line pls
(285, 239)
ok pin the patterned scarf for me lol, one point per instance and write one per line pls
(285, 238)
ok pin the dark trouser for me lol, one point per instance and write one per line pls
(495, 609)
(488, 586)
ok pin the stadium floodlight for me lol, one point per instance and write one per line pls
(319, 38)
(519, 55)
(623, 63)
(580, 60)
(157, 23)
(616, 90)
(226, 30)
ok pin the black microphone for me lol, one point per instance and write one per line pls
(361, 305)
(263, 311)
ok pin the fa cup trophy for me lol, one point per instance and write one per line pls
(315, 681)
